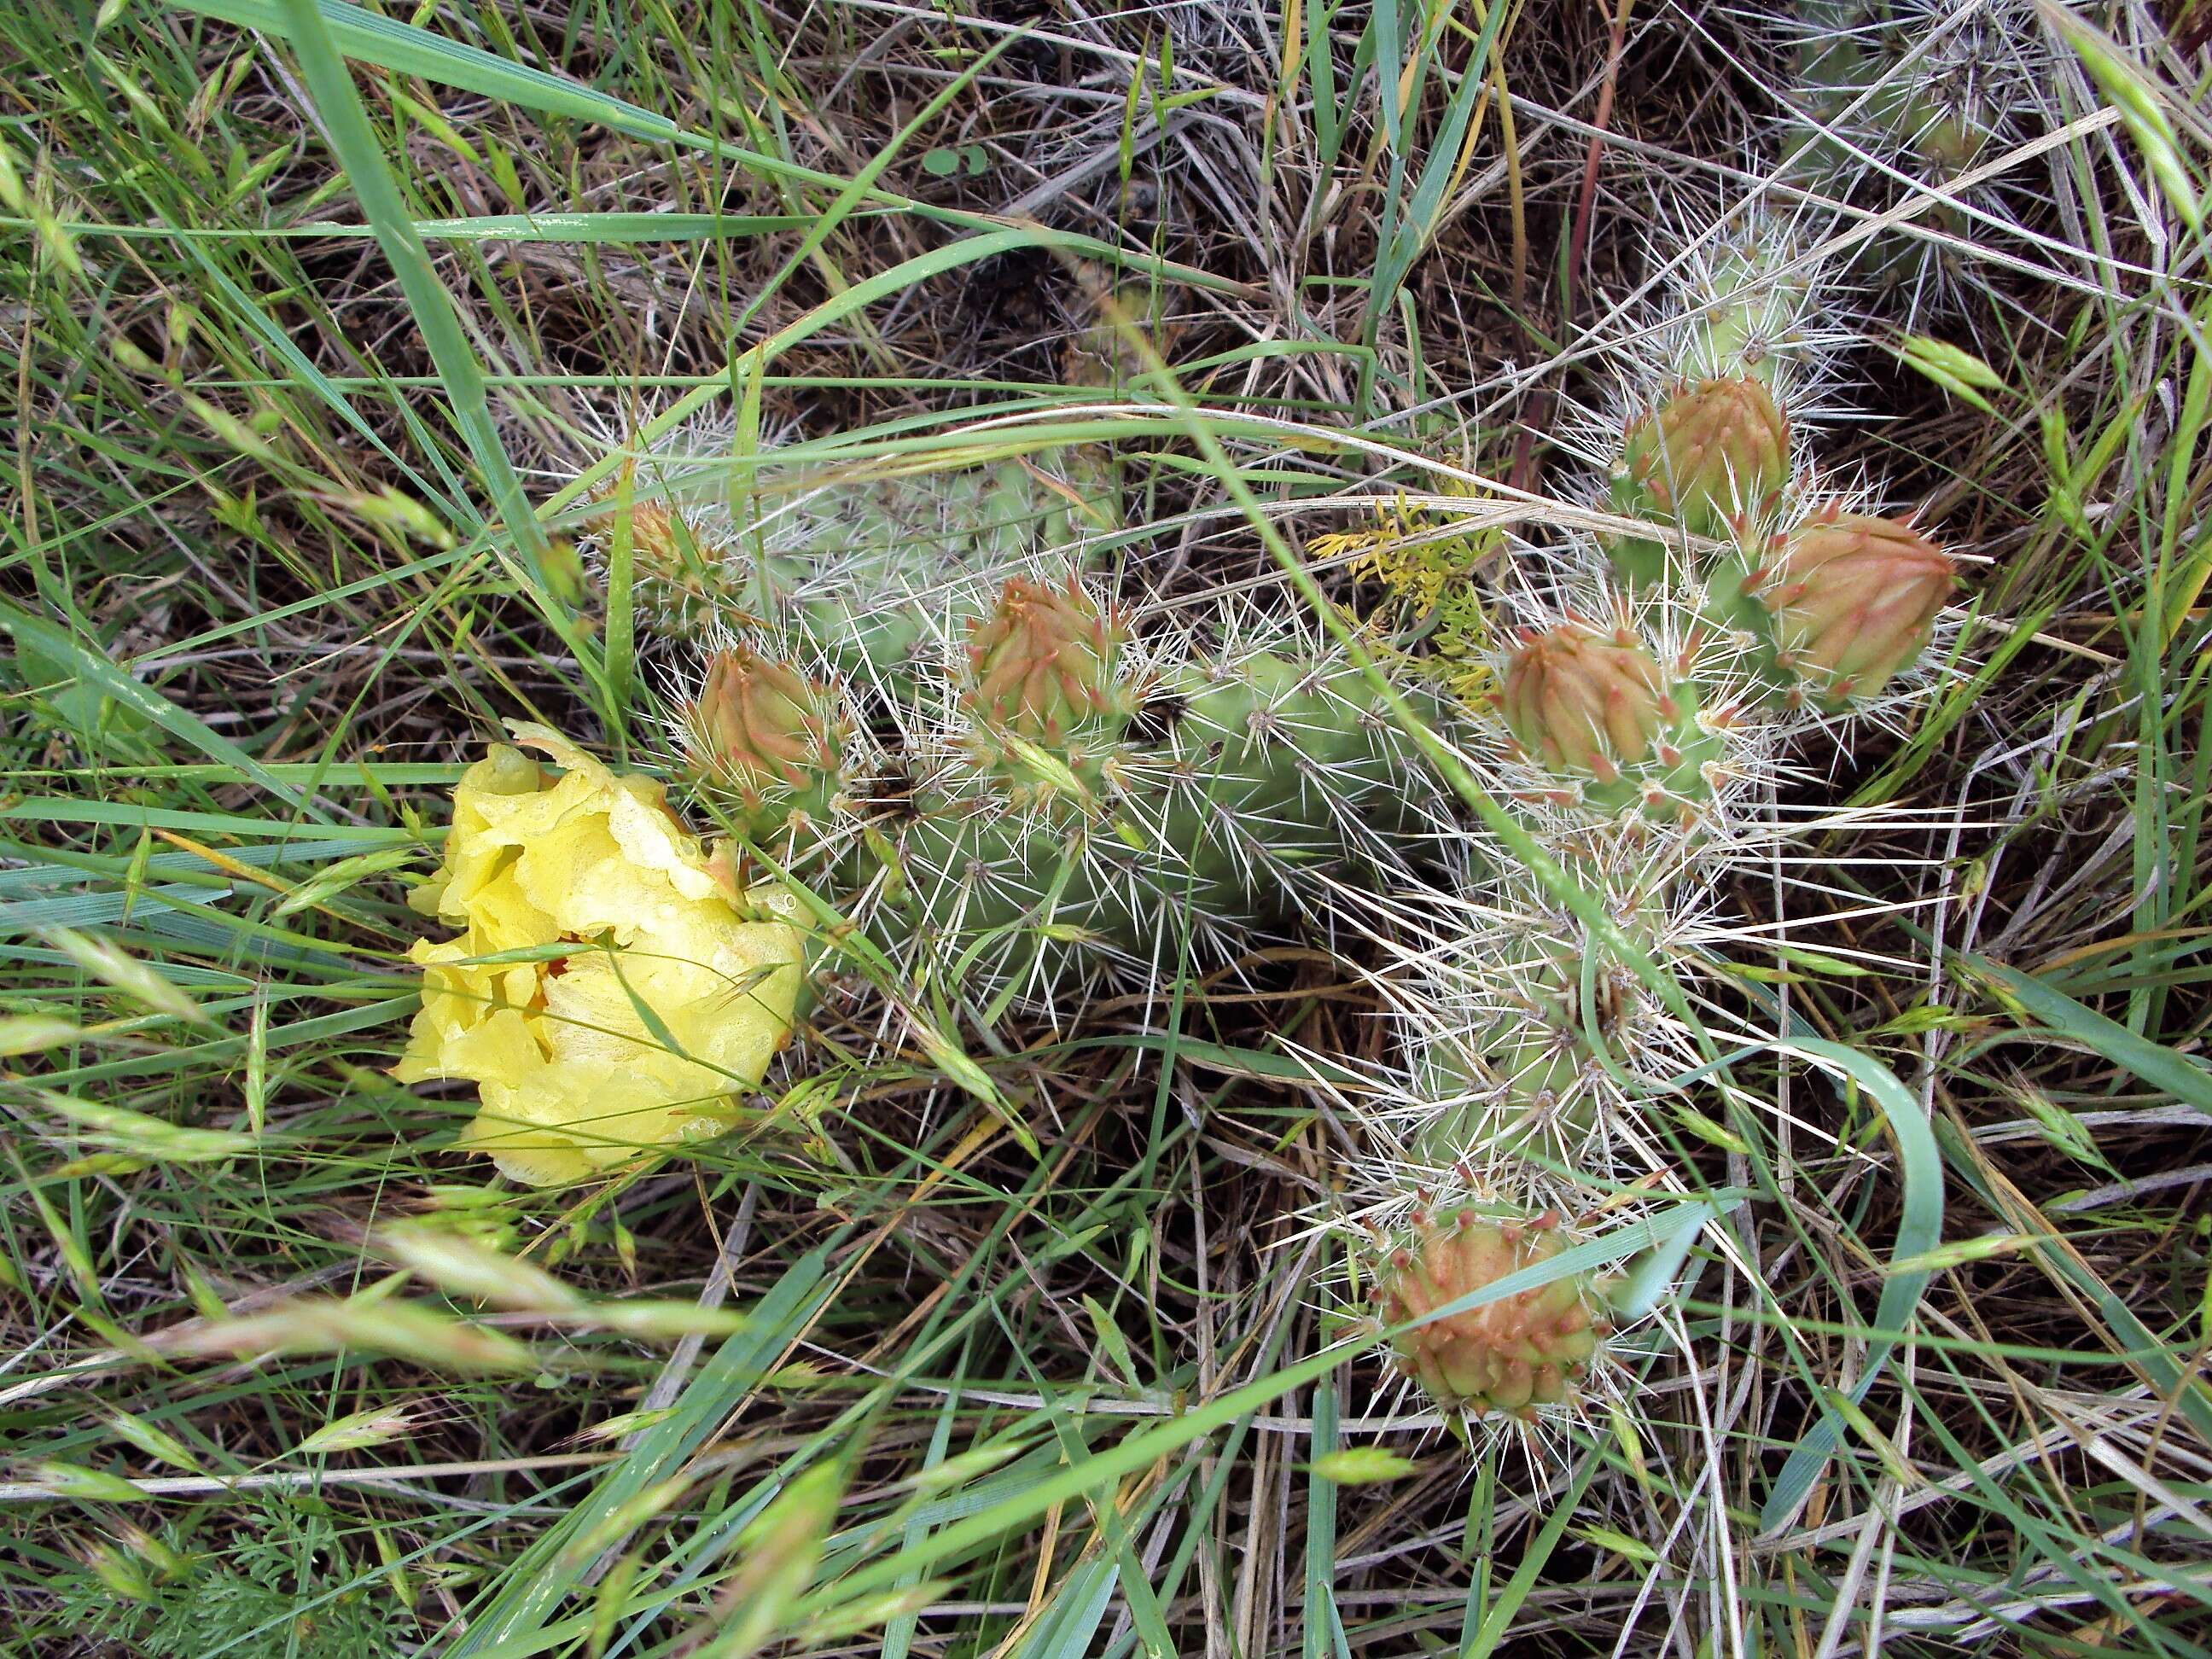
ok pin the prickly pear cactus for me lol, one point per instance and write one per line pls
(1826, 605)
(916, 694)
(1639, 693)
(1896, 105)
(702, 561)
(1708, 456)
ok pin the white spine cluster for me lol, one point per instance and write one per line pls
(1911, 110)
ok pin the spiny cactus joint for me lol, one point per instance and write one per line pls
(1071, 792)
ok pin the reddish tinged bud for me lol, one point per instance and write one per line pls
(1853, 598)
(1576, 701)
(661, 542)
(1043, 660)
(1512, 1354)
(1598, 707)
(758, 723)
(1709, 453)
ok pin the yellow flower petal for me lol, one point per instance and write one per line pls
(672, 1000)
(638, 815)
(472, 859)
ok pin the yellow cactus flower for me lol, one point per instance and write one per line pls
(675, 997)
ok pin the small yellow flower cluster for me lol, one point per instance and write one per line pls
(1427, 569)
(672, 992)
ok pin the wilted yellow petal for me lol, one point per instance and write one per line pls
(672, 996)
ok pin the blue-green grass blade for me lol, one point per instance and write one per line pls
(1920, 1162)
(1516, 1589)
(541, 1578)
(1320, 1616)
(242, 306)
(898, 1635)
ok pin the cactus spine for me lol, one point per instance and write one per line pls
(1899, 99)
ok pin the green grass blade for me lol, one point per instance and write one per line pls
(1322, 1626)
(58, 645)
(547, 1573)
(1919, 1230)
(358, 147)
(407, 49)
(2160, 1067)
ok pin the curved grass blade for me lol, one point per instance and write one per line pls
(550, 1569)
(1139, 1451)
(1918, 1231)
(60, 646)
(403, 48)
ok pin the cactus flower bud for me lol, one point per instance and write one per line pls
(1711, 453)
(678, 554)
(1044, 661)
(1580, 700)
(1598, 705)
(1854, 600)
(760, 726)
(663, 542)
(1523, 1351)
